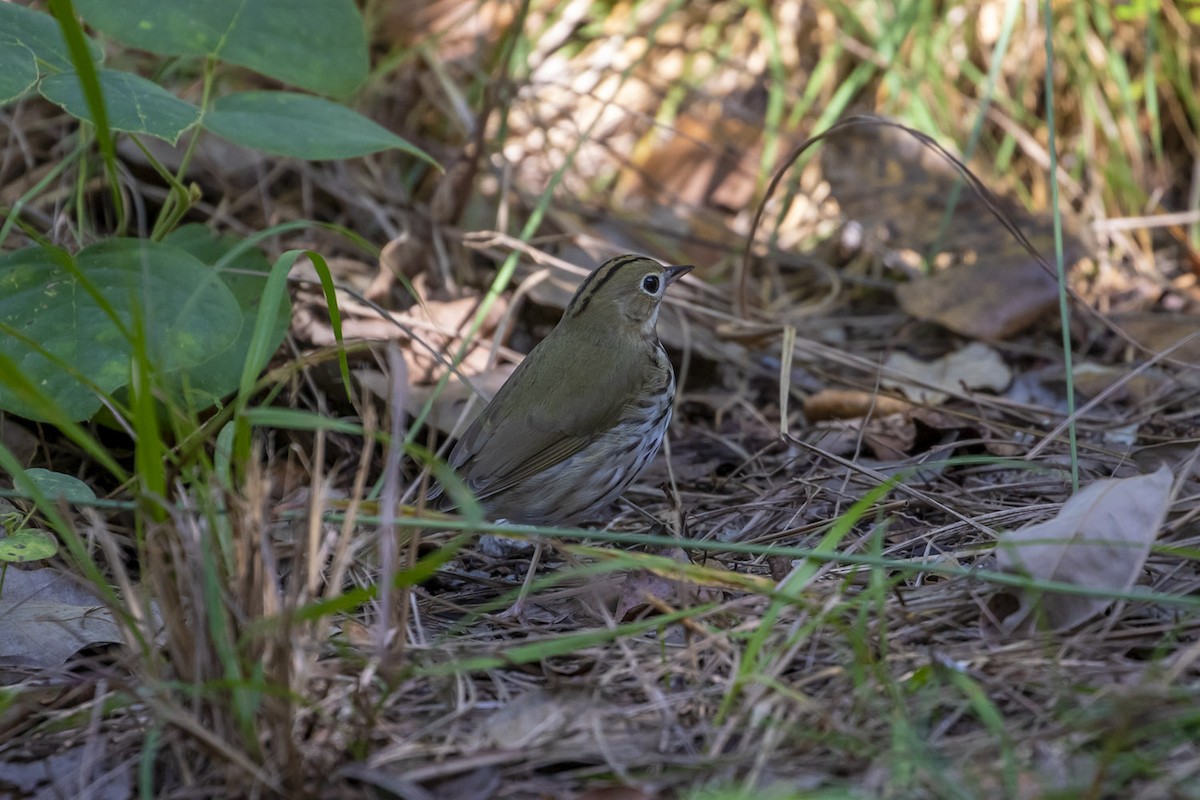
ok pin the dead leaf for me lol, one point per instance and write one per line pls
(898, 189)
(889, 436)
(442, 26)
(441, 325)
(1092, 378)
(20, 442)
(1181, 456)
(46, 617)
(709, 160)
(643, 587)
(975, 366)
(1157, 332)
(1099, 540)
(637, 590)
(658, 587)
(703, 457)
(66, 773)
(915, 431)
(991, 299)
(405, 255)
(450, 402)
(538, 718)
(357, 634)
(835, 437)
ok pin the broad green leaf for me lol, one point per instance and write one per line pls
(300, 125)
(18, 68)
(244, 276)
(39, 32)
(67, 344)
(27, 545)
(135, 105)
(56, 485)
(188, 311)
(317, 45)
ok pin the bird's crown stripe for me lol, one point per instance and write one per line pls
(592, 283)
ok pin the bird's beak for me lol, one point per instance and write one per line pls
(673, 273)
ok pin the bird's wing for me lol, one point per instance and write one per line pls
(537, 419)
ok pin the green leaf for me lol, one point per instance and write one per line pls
(39, 32)
(74, 344)
(317, 45)
(18, 68)
(27, 545)
(244, 275)
(302, 126)
(57, 486)
(134, 104)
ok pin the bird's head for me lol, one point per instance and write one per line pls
(623, 291)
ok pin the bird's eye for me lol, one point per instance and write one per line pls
(651, 284)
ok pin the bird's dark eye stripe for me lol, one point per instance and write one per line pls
(592, 283)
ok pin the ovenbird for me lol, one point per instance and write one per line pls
(585, 411)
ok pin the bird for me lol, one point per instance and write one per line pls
(584, 413)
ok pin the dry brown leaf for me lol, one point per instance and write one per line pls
(710, 160)
(891, 428)
(65, 774)
(891, 437)
(975, 366)
(539, 717)
(1092, 378)
(450, 402)
(637, 590)
(46, 617)
(1099, 540)
(641, 589)
(991, 299)
(1159, 331)
(898, 189)
(1182, 456)
(405, 255)
(440, 324)
(357, 634)
(449, 27)
(19, 441)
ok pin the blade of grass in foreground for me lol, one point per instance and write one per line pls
(753, 656)
(1064, 308)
